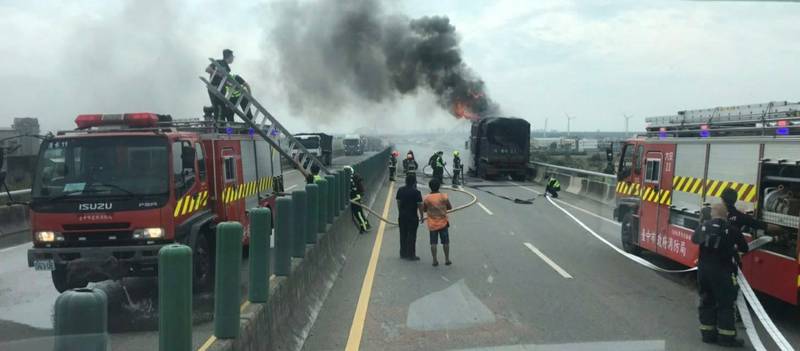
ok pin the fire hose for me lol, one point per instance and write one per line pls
(746, 292)
(458, 208)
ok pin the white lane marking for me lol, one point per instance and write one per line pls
(570, 205)
(485, 209)
(549, 261)
(291, 187)
(14, 247)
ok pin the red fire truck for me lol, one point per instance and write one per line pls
(685, 161)
(108, 195)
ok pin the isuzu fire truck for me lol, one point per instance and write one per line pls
(685, 161)
(108, 195)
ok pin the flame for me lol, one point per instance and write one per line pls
(461, 110)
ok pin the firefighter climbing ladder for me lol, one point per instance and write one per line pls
(303, 159)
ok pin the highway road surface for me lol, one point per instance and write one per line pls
(27, 297)
(522, 275)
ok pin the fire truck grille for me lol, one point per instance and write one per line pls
(99, 238)
(97, 226)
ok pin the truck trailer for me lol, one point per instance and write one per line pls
(499, 146)
(109, 194)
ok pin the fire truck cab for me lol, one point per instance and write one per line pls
(685, 161)
(108, 195)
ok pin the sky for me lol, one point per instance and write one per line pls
(540, 60)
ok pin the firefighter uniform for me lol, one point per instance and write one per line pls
(234, 96)
(457, 168)
(716, 276)
(553, 187)
(392, 165)
(356, 194)
(410, 165)
(437, 164)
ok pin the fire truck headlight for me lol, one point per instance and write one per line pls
(148, 233)
(48, 236)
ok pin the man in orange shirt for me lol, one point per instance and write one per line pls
(436, 206)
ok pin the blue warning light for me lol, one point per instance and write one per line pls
(229, 130)
(705, 134)
(782, 131)
(662, 135)
(251, 131)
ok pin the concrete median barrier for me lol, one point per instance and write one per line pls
(14, 225)
(285, 320)
(594, 185)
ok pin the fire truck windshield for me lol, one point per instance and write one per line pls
(102, 166)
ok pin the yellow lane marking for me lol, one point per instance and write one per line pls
(208, 343)
(357, 328)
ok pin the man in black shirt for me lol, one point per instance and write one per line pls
(409, 207)
(216, 77)
(719, 243)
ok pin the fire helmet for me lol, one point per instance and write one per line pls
(455, 153)
(395, 153)
(349, 169)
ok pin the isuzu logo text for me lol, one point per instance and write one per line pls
(97, 206)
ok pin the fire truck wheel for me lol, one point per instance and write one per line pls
(630, 235)
(60, 279)
(203, 264)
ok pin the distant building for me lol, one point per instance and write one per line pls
(24, 146)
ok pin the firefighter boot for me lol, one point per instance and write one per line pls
(730, 341)
(709, 336)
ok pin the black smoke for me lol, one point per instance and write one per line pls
(328, 51)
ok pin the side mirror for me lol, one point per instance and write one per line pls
(187, 157)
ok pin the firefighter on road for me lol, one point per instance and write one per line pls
(437, 164)
(393, 164)
(457, 168)
(410, 164)
(719, 242)
(553, 186)
(314, 176)
(356, 195)
(735, 217)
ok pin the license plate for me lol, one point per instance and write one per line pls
(44, 265)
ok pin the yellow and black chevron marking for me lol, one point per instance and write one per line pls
(645, 193)
(191, 203)
(238, 192)
(747, 192)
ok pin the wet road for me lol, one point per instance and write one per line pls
(27, 297)
(523, 275)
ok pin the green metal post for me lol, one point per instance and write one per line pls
(284, 230)
(175, 298)
(300, 205)
(227, 287)
(346, 199)
(81, 320)
(337, 181)
(331, 209)
(345, 190)
(323, 205)
(260, 230)
(312, 191)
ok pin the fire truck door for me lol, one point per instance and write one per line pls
(231, 178)
(651, 217)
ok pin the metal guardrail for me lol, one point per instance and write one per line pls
(21, 192)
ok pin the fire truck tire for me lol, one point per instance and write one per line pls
(630, 234)
(59, 276)
(203, 264)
